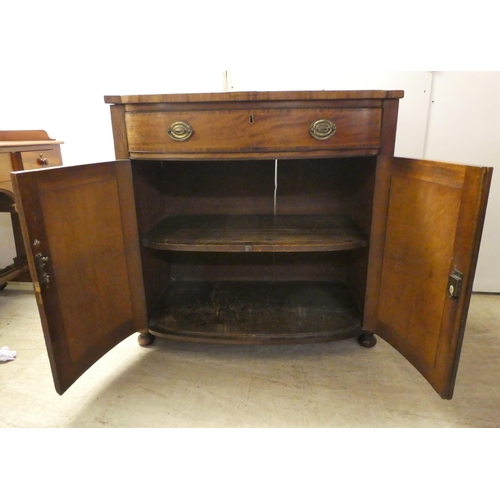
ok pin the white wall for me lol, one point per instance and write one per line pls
(464, 127)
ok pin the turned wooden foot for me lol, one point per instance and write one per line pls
(367, 340)
(145, 339)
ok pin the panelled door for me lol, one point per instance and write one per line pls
(80, 230)
(426, 229)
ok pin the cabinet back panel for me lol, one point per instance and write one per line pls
(325, 266)
(227, 187)
(319, 186)
(327, 186)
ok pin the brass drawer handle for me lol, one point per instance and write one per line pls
(322, 129)
(180, 131)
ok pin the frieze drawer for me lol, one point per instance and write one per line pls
(158, 133)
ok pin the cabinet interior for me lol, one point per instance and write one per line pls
(255, 251)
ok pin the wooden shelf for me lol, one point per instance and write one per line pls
(256, 312)
(255, 233)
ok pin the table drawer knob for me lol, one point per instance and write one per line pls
(42, 161)
(322, 129)
(180, 131)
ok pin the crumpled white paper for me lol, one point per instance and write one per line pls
(7, 355)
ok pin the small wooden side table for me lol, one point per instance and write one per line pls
(22, 150)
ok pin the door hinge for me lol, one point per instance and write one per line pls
(40, 262)
(455, 284)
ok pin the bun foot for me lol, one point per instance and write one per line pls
(367, 340)
(145, 339)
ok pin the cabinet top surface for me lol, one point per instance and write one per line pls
(256, 96)
(13, 138)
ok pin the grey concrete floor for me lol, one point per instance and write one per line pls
(175, 384)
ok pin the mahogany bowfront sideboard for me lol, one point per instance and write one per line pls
(254, 217)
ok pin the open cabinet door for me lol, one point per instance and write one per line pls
(426, 229)
(80, 231)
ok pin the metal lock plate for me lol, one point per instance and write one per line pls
(455, 284)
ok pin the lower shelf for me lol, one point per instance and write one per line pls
(256, 312)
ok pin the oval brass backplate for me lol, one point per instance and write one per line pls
(180, 131)
(322, 129)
